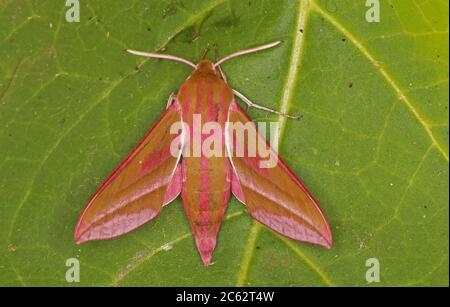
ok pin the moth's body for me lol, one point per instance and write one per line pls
(206, 180)
(152, 176)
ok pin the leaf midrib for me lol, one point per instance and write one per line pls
(304, 8)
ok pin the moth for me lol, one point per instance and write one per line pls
(159, 169)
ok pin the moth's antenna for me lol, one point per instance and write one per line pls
(247, 51)
(162, 56)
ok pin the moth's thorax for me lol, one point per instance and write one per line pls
(205, 93)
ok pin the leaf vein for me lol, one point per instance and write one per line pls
(389, 79)
(295, 62)
(308, 261)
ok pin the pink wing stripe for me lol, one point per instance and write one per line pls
(174, 188)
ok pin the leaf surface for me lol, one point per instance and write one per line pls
(372, 148)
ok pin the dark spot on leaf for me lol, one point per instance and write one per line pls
(187, 36)
(195, 36)
(350, 85)
(344, 40)
(228, 21)
(95, 19)
(170, 10)
(149, 29)
(331, 6)
(301, 30)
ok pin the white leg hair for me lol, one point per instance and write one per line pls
(222, 74)
(263, 108)
(171, 99)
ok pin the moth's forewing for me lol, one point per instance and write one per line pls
(148, 178)
(273, 194)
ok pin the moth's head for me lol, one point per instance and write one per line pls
(206, 68)
(205, 65)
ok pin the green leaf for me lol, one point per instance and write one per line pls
(372, 148)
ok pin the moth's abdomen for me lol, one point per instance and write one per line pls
(205, 194)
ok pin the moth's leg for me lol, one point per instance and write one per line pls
(263, 108)
(222, 74)
(216, 53)
(171, 99)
